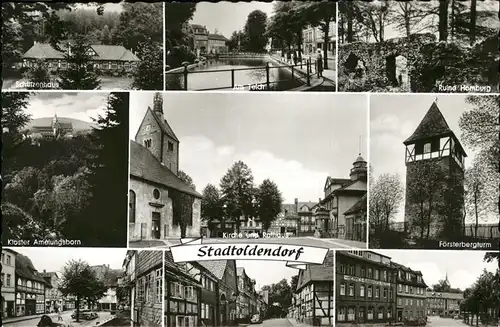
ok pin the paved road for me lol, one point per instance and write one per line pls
(67, 321)
(435, 321)
(273, 323)
(332, 243)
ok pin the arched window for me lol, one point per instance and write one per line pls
(131, 206)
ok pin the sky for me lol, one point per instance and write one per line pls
(274, 272)
(227, 17)
(296, 140)
(434, 264)
(391, 32)
(54, 259)
(108, 7)
(394, 118)
(77, 105)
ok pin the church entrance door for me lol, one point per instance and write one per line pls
(156, 226)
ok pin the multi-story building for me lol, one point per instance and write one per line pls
(8, 304)
(262, 302)
(314, 294)
(53, 296)
(365, 288)
(155, 187)
(209, 302)
(356, 221)
(246, 303)
(433, 150)
(217, 43)
(341, 195)
(444, 303)
(227, 279)
(144, 280)
(411, 296)
(295, 218)
(200, 38)
(182, 294)
(30, 288)
(314, 38)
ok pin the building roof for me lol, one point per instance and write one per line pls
(197, 26)
(445, 295)
(48, 274)
(358, 206)
(217, 37)
(165, 127)
(216, 267)
(336, 181)
(144, 165)
(317, 273)
(104, 52)
(26, 269)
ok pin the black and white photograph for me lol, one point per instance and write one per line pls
(82, 46)
(245, 167)
(80, 287)
(251, 46)
(240, 293)
(417, 288)
(419, 46)
(434, 171)
(64, 169)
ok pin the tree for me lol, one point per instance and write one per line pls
(183, 203)
(140, 22)
(480, 127)
(106, 37)
(78, 279)
(211, 206)
(177, 14)
(322, 14)
(38, 75)
(269, 203)
(149, 72)
(443, 20)
(411, 16)
(80, 74)
(104, 220)
(237, 192)
(386, 195)
(293, 282)
(14, 118)
(280, 297)
(372, 15)
(255, 29)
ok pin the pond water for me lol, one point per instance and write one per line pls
(203, 77)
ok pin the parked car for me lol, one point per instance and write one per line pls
(85, 314)
(256, 319)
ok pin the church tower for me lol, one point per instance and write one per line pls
(55, 126)
(157, 136)
(434, 178)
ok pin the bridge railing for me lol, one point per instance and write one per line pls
(310, 66)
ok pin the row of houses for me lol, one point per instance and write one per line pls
(372, 289)
(210, 293)
(314, 38)
(313, 297)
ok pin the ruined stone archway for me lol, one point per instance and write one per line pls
(351, 63)
(396, 69)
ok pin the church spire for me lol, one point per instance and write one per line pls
(158, 104)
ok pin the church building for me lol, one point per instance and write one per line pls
(434, 179)
(161, 205)
(55, 128)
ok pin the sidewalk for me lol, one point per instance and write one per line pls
(23, 318)
(295, 323)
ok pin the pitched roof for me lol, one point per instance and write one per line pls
(317, 273)
(26, 269)
(217, 37)
(216, 267)
(433, 124)
(144, 165)
(336, 181)
(104, 52)
(358, 206)
(48, 274)
(165, 127)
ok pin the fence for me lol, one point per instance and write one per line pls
(310, 65)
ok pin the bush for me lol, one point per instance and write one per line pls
(179, 54)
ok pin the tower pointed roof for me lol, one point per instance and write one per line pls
(433, 124)
(158, 103)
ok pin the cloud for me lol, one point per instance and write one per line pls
(207, 163)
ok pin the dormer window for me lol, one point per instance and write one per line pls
(147, 143)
